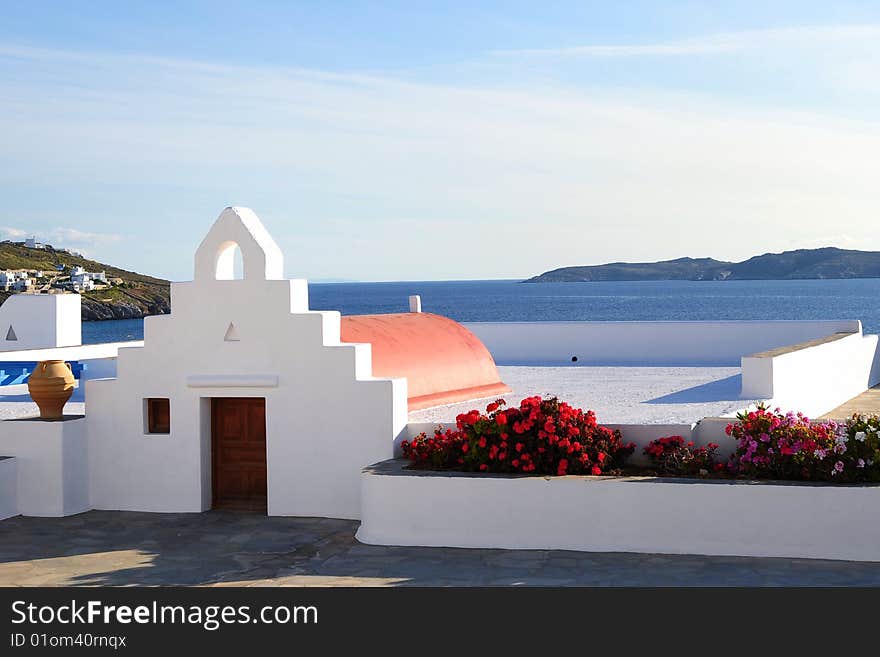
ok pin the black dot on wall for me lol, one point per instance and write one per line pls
(574, 359)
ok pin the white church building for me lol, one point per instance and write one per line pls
(240, 398)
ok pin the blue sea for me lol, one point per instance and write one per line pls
(508, 301)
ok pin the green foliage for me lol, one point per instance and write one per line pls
(148, 294)
(17, 256)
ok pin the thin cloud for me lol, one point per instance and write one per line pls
(725, 42)
(60, 236)
(545, 175)
(9, 233)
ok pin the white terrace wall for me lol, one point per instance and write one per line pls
(326, 416)
(34, 321)
(51, 465)
(620, 514)
(814, 379)
(645, 343)
(8, 488)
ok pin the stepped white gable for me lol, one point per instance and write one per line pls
(326, 416)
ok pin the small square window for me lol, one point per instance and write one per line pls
(158, 415)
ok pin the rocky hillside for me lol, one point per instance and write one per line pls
(822, 263)
(137, 296)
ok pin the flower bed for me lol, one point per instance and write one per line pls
(672, 456)
(706, 506)
(773, 445)
(541, 436)
(549, 437)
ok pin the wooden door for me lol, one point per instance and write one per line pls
(238, 446)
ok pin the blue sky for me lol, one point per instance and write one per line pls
(408, 141)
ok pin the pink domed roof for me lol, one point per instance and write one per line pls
(442, 361)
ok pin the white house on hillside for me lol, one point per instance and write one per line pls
(17, 280)
(80, 279)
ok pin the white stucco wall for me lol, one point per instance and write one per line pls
(326, 416)
(604, 514)
(816, 379)
(644, 343)
(85, 352)
(52, 465)
(40, 320)
(8, 488)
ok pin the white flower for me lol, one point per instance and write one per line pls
(861, 463)
(860, 436)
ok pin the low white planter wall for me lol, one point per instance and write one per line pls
(51, 463)
(8, 485)
(607, 514)
(642, 434)
(645, 343)
(814, 379)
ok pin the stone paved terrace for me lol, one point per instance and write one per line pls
(618, 395)
(238, 549)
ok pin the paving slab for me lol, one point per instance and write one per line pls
(618, 395)
(867, 403)
(126, 548)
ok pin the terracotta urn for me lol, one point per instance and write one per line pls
(50, 386)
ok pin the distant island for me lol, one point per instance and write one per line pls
(824, 263)
(107, 292)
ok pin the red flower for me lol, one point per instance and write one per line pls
(550, 437)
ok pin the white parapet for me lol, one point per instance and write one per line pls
(645, 343)
(51, 463)
(8, 488)
(813, 377)
(37, 321)
(619, 514)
